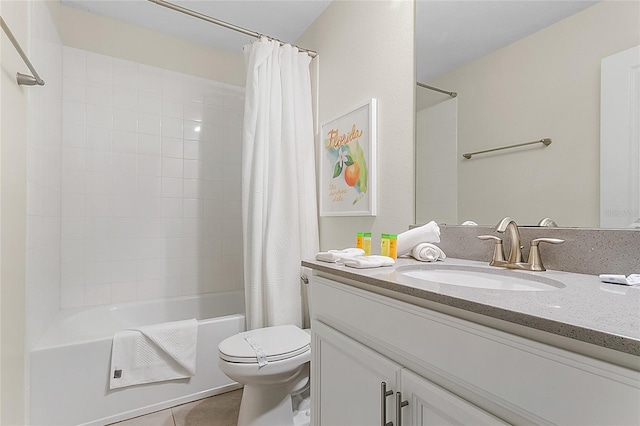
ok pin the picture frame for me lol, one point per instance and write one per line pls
(348, 163)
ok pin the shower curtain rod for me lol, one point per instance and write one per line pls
(224, 24)
(22, 79)
(435, 89)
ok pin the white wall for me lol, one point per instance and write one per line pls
(99, 34)
(150, 182)
(13, 192)
(550, 88)
(366, 51)
(437, 152)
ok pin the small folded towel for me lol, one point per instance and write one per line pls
(154, 353)
(363, 262)
(429, 233)
(334, 255)
(469, 223)
(427, 252)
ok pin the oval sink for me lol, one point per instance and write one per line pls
(466, 276)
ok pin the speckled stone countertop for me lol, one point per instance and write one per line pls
(607, 315)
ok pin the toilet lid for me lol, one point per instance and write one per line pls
(277, 343)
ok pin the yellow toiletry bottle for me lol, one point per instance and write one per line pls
(393, 246)
(366, 240)
(384, 245)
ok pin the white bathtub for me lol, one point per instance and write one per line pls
(69, 380)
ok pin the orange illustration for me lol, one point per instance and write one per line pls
(352, 174)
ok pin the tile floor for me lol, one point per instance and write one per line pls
(219, 410)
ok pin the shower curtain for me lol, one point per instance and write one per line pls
(279, 212)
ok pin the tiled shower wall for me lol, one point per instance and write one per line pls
(151, 182)
(42, 289)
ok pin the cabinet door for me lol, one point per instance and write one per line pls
(429, 404)
(346, 381)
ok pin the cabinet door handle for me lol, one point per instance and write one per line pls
(384, 393)
(399, 404)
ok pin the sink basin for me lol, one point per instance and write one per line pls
(467, 276)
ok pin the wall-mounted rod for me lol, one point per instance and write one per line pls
(22, 79)
(224, 24)
(435, 89)
(545, 141)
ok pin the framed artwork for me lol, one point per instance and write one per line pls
(348, 163)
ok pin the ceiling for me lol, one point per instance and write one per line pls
(285, 20)
(448, 33)
(452, 33)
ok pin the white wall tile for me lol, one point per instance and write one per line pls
(172, 207)
(97, 294)
(125, 141)
(73, 63)
(124, 119)
(172, 127)
(98, 138)
(124, 291)
(72, 274)
(149, 207)
(149, 186)
(125, 98)
(98, 161)
(172, 108)
(99, 116)
(73, 112)
(149, 123)
(172, 167)
(73, 135)
(99, 68)
(124, 270)
(149, 166)
(172, 147)
(149, 203)
(149, 144)
(99, 94)
(172, 187)
(150, 104)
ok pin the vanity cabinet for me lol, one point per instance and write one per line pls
(449, 370)
(357, 386)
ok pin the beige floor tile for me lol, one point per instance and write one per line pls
(219, 410)
(159, 418)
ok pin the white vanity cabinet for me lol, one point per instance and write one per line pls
(355, 385)
(449, 370)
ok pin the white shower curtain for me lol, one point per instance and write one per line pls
(279, 213)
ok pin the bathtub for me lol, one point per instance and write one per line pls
(70, 363)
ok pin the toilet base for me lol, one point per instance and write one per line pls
(260, 408)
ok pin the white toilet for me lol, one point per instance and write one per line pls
(284, 352)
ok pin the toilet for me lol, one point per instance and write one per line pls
(273, 365)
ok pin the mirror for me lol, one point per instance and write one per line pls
(522, 71)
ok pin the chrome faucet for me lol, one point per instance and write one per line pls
(534, 262)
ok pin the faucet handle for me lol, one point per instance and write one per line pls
(534, 253)
(498, 250)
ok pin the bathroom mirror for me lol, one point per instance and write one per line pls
(522, 71)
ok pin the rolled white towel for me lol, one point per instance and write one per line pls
(469, 223)
(372, 261)
(334, 255)
(429, 233)
(427, 252)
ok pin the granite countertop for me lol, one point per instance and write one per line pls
(586, 309)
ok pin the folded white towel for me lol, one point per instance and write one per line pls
(155, 353)
(429, 233)
(335, 255)
(372, 261)
(469, 223)
(427, 252)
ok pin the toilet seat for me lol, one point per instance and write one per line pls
(277, 343)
